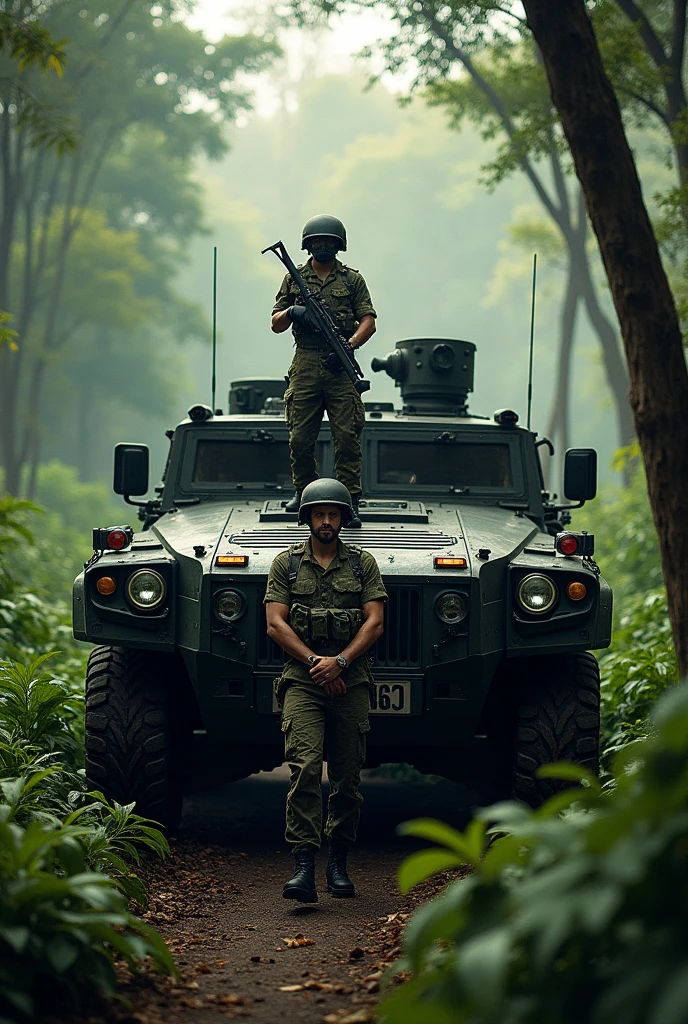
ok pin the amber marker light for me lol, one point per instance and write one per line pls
(445, 562)
(576, 591)
(237, 561)
(105, 585)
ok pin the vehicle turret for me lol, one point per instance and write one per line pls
(248, 395)
(435, 375)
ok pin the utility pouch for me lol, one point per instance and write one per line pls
(280, 687)
(319, 624)
(299, 620)
(341, 624)
(356, 619)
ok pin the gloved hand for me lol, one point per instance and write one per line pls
(333, 363)
(300, 314)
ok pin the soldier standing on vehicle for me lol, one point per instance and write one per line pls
(316, 381)
(325, 608)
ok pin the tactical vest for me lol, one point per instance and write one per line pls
(347, 328)
(325, 609)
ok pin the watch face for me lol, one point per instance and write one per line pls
(342, 661)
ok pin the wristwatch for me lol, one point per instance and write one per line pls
(341, 661)
(312, 658)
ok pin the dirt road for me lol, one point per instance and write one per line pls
(218, 903)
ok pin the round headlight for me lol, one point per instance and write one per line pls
(146, 589)
(451, 607)
(536, 594)
(229, 605)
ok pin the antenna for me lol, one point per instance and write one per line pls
(532, 340)
(214, 378)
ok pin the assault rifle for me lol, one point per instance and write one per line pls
(321, 318)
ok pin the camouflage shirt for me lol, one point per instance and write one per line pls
(345, 293)
(325, 606)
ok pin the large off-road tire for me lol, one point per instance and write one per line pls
(134, 731)
(557, 719)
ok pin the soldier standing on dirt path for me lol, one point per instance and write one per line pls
(325, 608)
(316, 380)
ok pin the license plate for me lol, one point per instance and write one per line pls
(391, 698)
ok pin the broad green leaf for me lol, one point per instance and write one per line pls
(569, 772)
(436, 832)
(482, 964)
(62, 953)
(422, 865)
(671, 1004)
(15, 935)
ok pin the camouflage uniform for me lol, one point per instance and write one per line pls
(325, 612)
(313, 389)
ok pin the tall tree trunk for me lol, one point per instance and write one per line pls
(591, 120)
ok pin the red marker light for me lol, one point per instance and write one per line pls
(117, 539)
(106, 585)
(567, 544)
(235, 560)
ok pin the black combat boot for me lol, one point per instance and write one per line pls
(338, 882)
(293, 504)
(301, 886)
(355, 522)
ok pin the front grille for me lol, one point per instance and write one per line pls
(398, 647)
(396, 539)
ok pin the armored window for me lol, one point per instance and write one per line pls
(429, 463)
(244, 462)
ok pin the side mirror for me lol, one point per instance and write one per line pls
(580, 474)
(131, 469)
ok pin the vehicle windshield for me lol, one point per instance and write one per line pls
(459, 464)
(237, 461)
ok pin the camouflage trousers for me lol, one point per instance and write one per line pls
(314, 390)
(313, 724)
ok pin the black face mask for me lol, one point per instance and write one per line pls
(323, 250)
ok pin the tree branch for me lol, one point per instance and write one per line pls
(678, 38)
(653, 107)
(495, 101)
(653, 44)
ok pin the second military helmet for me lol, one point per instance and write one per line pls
(324, 226)
(325, 491)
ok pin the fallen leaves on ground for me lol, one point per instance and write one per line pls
(366, 1013)
(298, 940)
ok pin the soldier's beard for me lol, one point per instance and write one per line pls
(325, 534)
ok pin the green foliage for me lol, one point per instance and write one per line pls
(637, 669)
(626, 545)
(67, 857)
(8, 337)
(567, 917)
(61, 924)
(36, 618)
(641, 662)
(27, 42)
(94, 248)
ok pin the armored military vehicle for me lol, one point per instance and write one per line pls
(484, 669)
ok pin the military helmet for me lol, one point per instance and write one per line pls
(325, 491)
(324, 225)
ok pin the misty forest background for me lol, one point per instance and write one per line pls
(161, 138)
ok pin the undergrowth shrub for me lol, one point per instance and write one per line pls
(575, 913)
(67, 857)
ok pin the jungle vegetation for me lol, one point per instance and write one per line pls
(115, 129)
